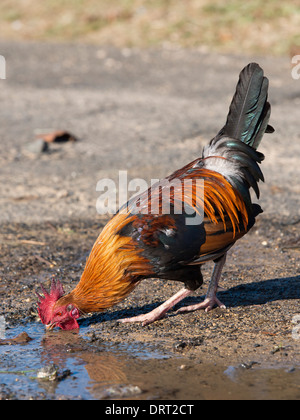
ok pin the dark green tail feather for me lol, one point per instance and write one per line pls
(236, 143)
(249, 111)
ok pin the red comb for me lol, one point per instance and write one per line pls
(47, 301)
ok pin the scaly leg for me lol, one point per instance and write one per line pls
(211, 299)
(160, 311)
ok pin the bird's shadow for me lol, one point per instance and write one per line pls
(256, 293)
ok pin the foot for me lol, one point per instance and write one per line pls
(160, 311)
(207, 305)
(145, 319)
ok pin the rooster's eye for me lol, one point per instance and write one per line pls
(69, 308)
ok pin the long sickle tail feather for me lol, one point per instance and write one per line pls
(237, 141)
(250, 110)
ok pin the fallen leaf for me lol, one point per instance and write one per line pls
(57, 137)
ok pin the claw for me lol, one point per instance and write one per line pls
(207, 305)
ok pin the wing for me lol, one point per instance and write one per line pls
(218, 240)
(191, 217)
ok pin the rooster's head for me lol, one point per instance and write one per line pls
(52, 313)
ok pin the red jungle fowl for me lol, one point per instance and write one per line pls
(137, 245)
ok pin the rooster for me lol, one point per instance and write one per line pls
(135, 245)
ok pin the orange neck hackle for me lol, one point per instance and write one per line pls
(112, 271)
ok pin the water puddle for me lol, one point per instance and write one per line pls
(89, 369)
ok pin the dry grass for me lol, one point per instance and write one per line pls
(254, 26)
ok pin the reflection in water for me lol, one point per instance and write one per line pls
(103, 368)
(96, 366)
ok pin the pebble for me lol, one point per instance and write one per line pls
(22, 338)
(120, 391)
(51, 373)
(48, 372)
(248, 365)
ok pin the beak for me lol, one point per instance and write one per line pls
(49, 327)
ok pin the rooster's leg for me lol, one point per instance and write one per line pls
(211, 299)
(160, 311)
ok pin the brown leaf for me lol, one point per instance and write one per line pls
(58, 136)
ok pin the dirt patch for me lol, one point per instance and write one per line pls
(246, 351)
(262, 295)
